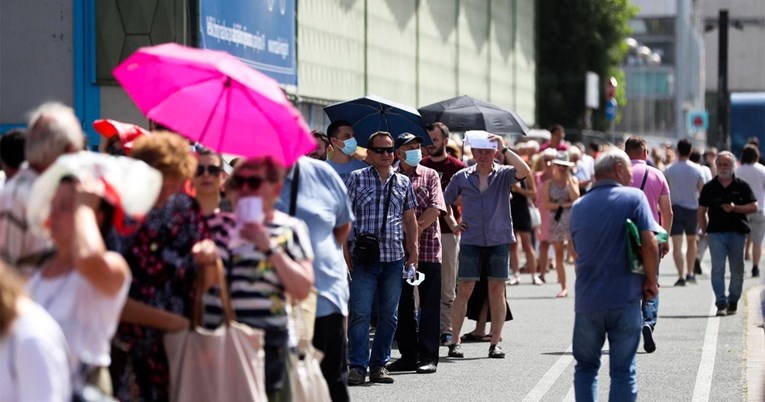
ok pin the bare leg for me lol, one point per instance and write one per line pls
(748, 249)
(756, 253)
(677, 254)
(560, 268)
(690, 255)
(459, 308)
(544, 248)
(531, 256)
(498, 309)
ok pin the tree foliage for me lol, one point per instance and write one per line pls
(576, 36)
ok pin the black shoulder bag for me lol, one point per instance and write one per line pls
(367, 245)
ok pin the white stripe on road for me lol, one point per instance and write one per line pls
(571, 396)
(708, 353)
(550, 377)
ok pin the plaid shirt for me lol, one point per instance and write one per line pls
(367, 195)
(428, 193)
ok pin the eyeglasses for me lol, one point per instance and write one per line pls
(253, 182)
(382, 150)
(213, 170)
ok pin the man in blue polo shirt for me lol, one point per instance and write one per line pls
(608, 294)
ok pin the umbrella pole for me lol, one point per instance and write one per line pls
(226, 85)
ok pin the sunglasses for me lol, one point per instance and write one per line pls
(253, 182)
(211, 169)
(382, 150)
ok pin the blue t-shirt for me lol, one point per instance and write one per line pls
(323, 204)
(345, 169)
(603, 278)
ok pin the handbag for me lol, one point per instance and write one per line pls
(634, 253)
(224, 364)
(536, 216)
(307, 382)
(367, 245)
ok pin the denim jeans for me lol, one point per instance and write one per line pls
(623, 328)
(384, 279)
(730, 245)
(650, 308)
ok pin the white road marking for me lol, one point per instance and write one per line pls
(708, 354)
(550, 377)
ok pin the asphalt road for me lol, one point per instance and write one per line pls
(699, 357)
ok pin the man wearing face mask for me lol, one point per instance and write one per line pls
(341, 137)
(419, 344)
(726, 200)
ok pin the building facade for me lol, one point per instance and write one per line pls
(321, 51)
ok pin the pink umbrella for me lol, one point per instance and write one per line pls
(215, 99)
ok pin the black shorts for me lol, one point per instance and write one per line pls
(684, 221)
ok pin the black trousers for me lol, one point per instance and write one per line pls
(419, 343)
(329, 337)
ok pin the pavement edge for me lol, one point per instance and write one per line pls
(755, 345)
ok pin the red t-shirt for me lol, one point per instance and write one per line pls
(446, 169)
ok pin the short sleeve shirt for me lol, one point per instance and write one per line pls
(655, 184)
(427, 191)
(714, 195)
(345, 169)
(684, 179)
(754, 175)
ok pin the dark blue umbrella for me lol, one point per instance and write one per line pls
(465, 113)
(373, 113)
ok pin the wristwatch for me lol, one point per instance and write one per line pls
(505, 149)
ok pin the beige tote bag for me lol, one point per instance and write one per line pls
(307, 381)
(225, 364)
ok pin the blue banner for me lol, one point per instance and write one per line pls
(261, 33)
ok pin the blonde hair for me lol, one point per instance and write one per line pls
(10, 289)
(167, 152)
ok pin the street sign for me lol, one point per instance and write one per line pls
(611, 107)
(698, 120)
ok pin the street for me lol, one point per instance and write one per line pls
(699, 357)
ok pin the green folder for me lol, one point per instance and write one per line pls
(634, 257)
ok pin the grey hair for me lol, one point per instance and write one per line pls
(607, 161)
(730, 155)
(53, 128)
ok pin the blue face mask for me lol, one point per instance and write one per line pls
(349, 146)
(413, 157)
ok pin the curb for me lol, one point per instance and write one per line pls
(755, 344)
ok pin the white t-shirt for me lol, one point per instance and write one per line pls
(87, 316)
(754, 176)
(33, 358)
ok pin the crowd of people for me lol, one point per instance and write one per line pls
(406, 238)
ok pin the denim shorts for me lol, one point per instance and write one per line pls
(491, 261)
(684, 221)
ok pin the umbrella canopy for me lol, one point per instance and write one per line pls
(373, 113)
(465, 113)
(215, 99)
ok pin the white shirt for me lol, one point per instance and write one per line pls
(88, 317)
(707, 173)
(754, 176)
(33, 358)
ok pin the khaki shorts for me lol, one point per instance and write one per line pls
(757, 226)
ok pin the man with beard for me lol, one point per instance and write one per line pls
(726, 200)
(446, 166)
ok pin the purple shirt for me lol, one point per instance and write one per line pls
(655, 185)
(487, 214)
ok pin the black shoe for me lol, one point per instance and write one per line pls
(356, 376)
(648, 344)
(722, 310)
(456, 350)
(732, 308)
(697, 267)
(680, 282)
(495, 352)
(755, 271)
(401, 365)
(691, 279)
(428, 368)
(446, 339)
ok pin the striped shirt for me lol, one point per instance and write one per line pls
(368, 194)
(257, 294)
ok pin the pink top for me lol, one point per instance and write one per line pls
(655, 184)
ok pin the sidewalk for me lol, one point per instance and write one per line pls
(755, 344)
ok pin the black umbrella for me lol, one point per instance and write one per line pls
(465, 113)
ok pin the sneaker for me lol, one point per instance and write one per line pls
(697, 267)
(428, 368)
(755, 271)
(446, 339)
(401, 365)
(455, 350)
(537, 281)
(691, 279)
(722, 310)
(514, 280)
(356, 376)
(495, 352)
(680, 282)
(380, 375)
(732, 308)
(648, 344)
